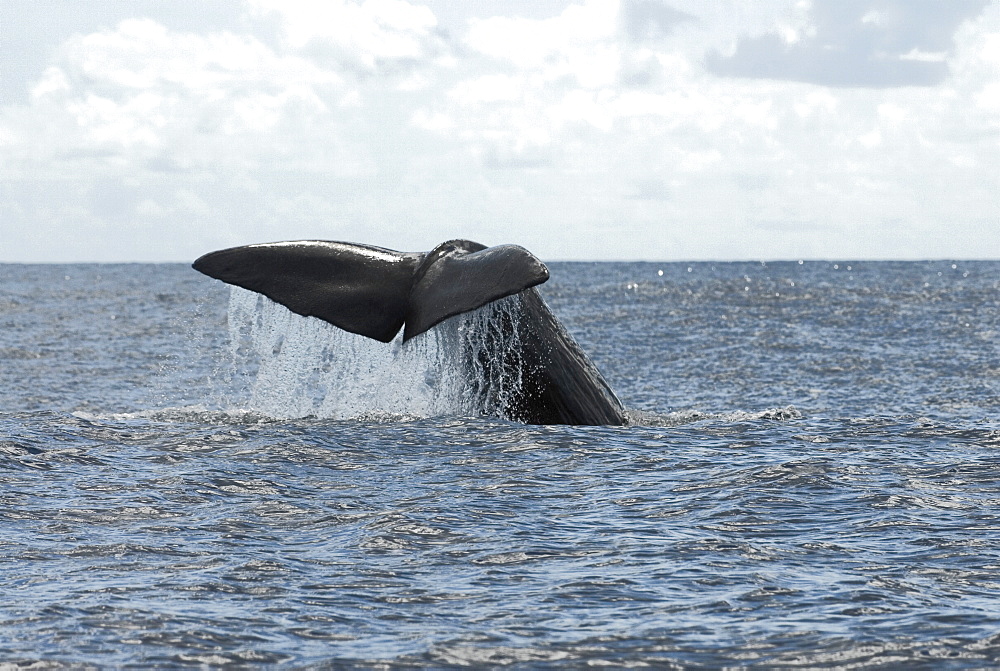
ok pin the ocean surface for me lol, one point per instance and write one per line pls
(811, 478)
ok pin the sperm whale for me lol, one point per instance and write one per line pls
(376, 292)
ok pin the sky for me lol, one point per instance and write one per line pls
(153, 130)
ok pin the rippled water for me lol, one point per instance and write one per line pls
(812, 479)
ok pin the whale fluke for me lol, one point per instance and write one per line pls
(374, 292)
(358, 288)
(459, 276)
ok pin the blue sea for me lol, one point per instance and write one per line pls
(810, 478)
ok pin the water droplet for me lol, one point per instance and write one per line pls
(660, 272)
(365, 377)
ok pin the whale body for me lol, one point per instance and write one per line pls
(376, 292)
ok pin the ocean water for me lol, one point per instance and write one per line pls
(811, 477)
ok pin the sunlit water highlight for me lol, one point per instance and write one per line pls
(814, 481)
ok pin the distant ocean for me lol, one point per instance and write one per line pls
(811, 478)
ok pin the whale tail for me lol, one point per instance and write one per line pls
(373, 291)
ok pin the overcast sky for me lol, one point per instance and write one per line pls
(154, 130)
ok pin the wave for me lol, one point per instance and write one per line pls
(193, 413)
(681, 417)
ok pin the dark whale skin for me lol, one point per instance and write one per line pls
(374, 292)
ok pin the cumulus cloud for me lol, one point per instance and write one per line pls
(376, 36)
(33, 30)
(866, 43)
(605, 129)
(650, 20)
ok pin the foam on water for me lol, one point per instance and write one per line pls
(294, 366)
(681, 417)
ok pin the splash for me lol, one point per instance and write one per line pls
(292, 366)
(679, 418)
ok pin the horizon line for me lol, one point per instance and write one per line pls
(798, 260)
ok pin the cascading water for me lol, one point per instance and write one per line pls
(294, 366)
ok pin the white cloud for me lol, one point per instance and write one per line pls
(594, 132)
(562, 45)
(371, 34)
(128, 94)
